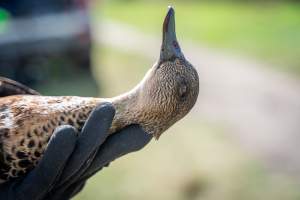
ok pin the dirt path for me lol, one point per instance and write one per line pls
(259, 106)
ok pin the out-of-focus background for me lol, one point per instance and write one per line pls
(242, 139)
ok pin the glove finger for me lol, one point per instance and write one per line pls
(41, 179)
(92, 136)
(130, 139)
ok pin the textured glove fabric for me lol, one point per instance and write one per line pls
(130, 139)
(94, 133)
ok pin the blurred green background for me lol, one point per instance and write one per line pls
(196, 158)
(240, 141)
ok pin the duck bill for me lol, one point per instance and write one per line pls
(170, 48)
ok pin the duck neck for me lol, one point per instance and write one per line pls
(126, 106)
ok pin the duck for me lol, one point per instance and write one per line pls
(165, 95)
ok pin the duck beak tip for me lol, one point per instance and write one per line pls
(170, 47)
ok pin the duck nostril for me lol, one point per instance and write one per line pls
(175, 44)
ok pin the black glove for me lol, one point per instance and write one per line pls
(70, 160)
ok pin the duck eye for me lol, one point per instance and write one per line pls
(182, 91)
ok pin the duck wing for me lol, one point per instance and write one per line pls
(10, 87)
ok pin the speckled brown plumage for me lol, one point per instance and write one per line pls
(166, 94)
(26, 124)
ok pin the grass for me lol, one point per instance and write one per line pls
(270, 32)
(192, 160)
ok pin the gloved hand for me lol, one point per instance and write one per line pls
(70, 160)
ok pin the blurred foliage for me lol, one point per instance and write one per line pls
(4, 16)
(75, 81)
(118, 72)
(269, 31)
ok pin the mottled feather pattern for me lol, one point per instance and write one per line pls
(27, 122)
